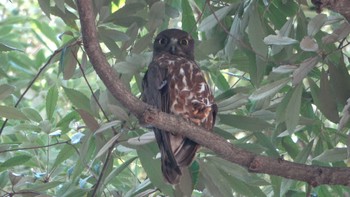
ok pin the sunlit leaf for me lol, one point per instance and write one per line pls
(215, 18)
(269, 89)
(32, 114)
(78, 99)
(305, 67)
(279, 40)
(308, 44)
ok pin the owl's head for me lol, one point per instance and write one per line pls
(175, 42)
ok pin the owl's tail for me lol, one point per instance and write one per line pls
(171, 171)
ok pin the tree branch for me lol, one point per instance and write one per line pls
(315, 175)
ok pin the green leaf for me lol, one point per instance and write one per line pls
(327, 100)
(305, 67)
(118, 170)
(233, 102)
(244, 122)
(51, 101)
(269, 89)
(45, 7)
(187, 19)
(279, 40)
(6, 90)
(68, 61)
(12, 113)
(212, 20)
(78, 99)
(66, 152)
(333, 155)
(32, 114)
(15, 161)
(156, 15)
(315, 24)
(293, 108)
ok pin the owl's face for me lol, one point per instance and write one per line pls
(175, 42)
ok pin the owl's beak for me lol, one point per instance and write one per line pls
(172, 46)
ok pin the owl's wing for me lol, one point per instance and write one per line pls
(155, 92)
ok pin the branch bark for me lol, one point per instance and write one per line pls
(314, 175)
(340, 6)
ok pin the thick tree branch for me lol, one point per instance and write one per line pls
(314, 175)
(340, 6)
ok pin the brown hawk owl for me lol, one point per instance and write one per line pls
(175, 84)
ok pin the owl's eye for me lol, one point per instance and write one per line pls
(184, 42)
(162, 41)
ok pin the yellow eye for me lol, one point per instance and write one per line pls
(162, 41)
(184, 42)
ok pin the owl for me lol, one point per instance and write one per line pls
(175, 84)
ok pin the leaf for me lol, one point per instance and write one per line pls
(15, 161)
(119, 112)
(293, 108)
(118, 170)
(45, 7)
(244, 122)
(107, 146)
(340, 33)
(51, 101)
(89, 120)
(106, 126)
(268, 89)
(315, 24)
(113, 34)
(308, 44)
(32, 114)
(257, 36)
(212, 20)
(305, 67)
(68, 61)
(233, 102)
(143, 139)
(333, 155)
(12, 113)
(187, 19)
(284, 69)
(65, 152)
(279, 40)
(6, 90)
(78, 99)
(345, 117)
(327, 100)
(156, 15)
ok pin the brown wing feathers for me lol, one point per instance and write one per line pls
(175, 84)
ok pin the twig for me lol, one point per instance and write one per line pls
(35, 78)
(35, 147)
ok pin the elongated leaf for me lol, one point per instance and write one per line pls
(78, 99)
(244, 122)
(333, 155)
(15, 161)
(315, 24)
(212, 20)
(106, 126)
(268, 89)
(89, 120)
(345, 117)
(293, 108)
(328, 104)
(32, 114)
(68, 61)
(279, 40)
(108, 145)
(305, 67)
(188, 20)
(51, 101)
(66, 152)
(118, 170)
(12, 113)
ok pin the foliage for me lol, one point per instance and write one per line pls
(279, 72)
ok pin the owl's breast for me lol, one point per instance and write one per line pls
(189, 94)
